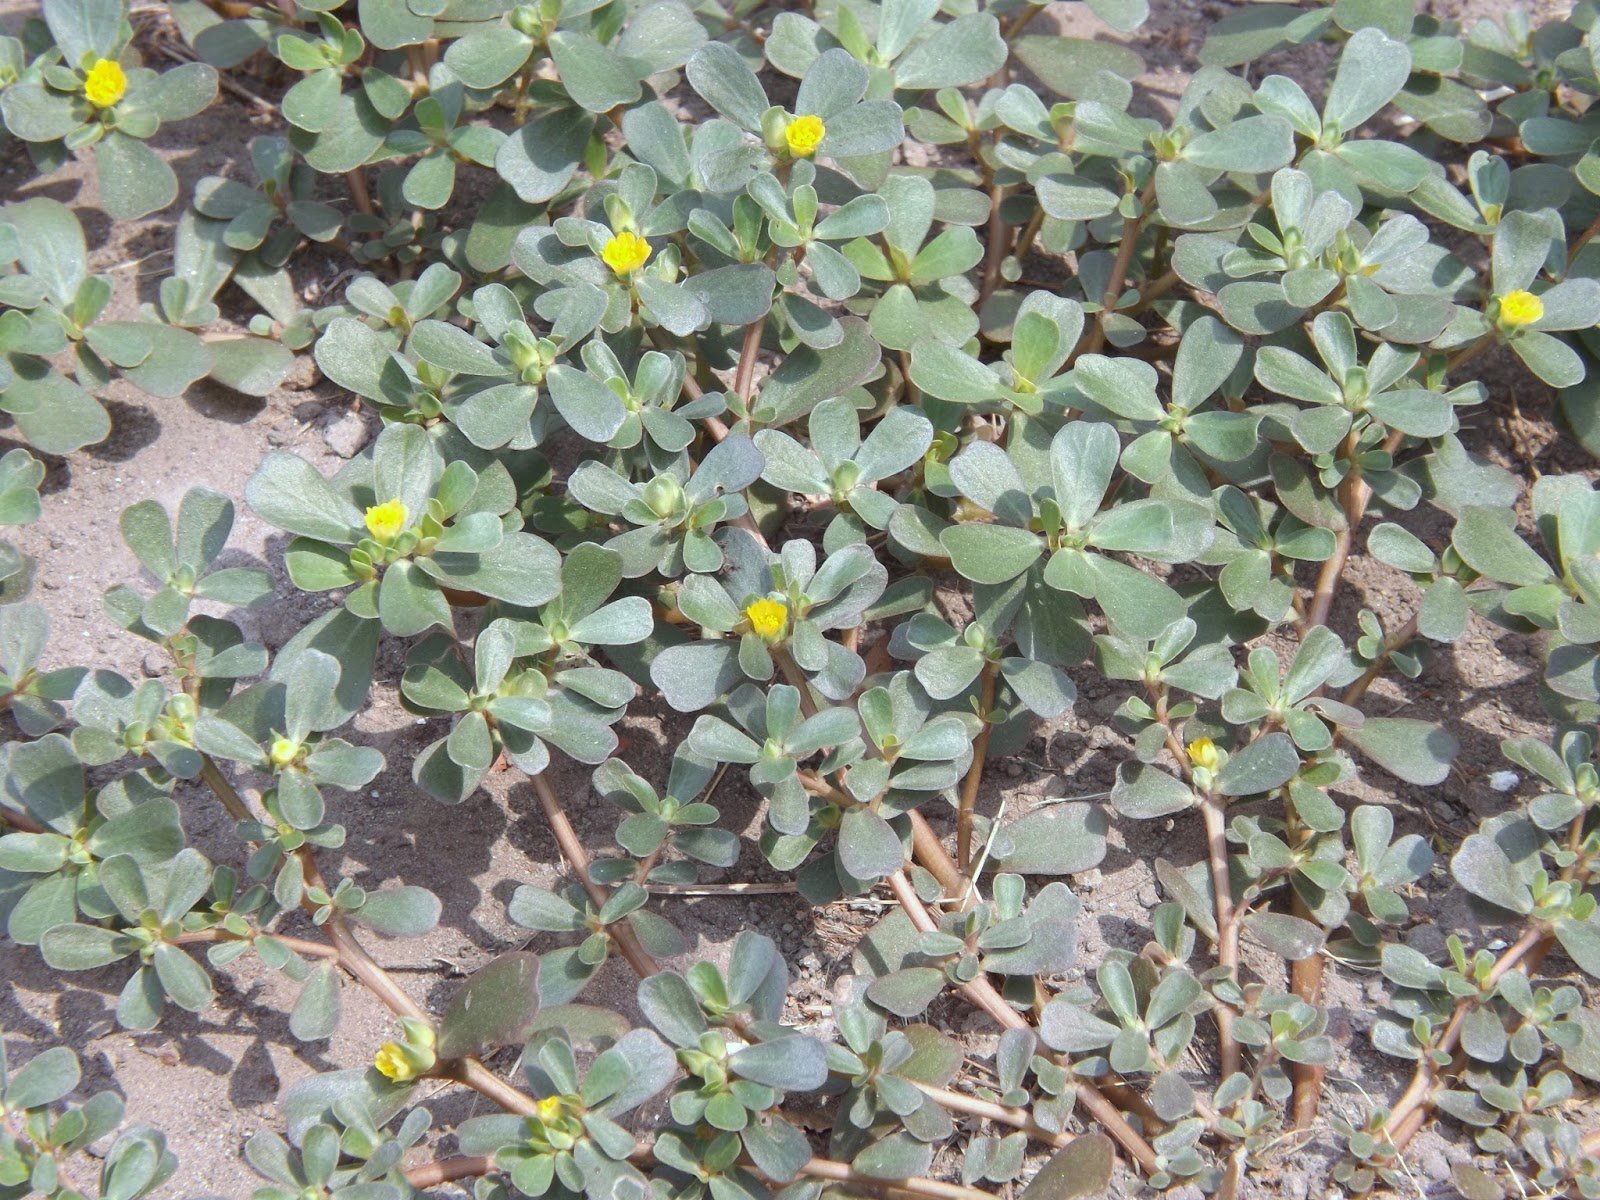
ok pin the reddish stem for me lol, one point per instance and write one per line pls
(974, 778)
(620, 932)
(1414, 1105)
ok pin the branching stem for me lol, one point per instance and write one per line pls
(356, 184)
(1467, 353)
(1305, 976)
(1417, 1101)
(1393, 642)
(999, 243)
(1214, 815)
(1153, 291)
(224, 791)
(620, 932)
(749, 354)
(974, 778)
(1583, 239)
(1132, 227)
(825, 1168)
(981, 994)
(1213, 811)
(353, 956)
(448, 1170)
(490, 1086)
(299, 945)
(1019, 22)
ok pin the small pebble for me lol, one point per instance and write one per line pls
(347, 435)
(153, 664)
(1433, 1164)
(304, 373)
(981, 1045)
(1504, 781)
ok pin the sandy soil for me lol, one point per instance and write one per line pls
(210, 1080)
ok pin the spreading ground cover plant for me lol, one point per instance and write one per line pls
(857, 382)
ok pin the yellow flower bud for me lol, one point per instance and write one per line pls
(767, 618)
(663, 495)
(551, 1109)
(625, 253)
(420, 1038)
(387, 521)
(804, 134)
(1203, 753)
(106, 83)
(405, 1061)
(284, 751)
(392, 1063)
(1520, 308)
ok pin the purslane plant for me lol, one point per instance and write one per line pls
(849, 388)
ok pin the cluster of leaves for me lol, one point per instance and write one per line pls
(74, 82)
(41, 1134)
(747, 417)
(57, 350)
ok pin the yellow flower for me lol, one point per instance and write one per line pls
(284, 751)
(106, 83)
(551, 1109)
(804, 134)
(1203, 752)
(386, 521)
(626, 252)
(392, 1063)
(1520, 308)
(767, 618)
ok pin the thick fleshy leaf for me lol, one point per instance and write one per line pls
(1486, 870)
(1082, 1169)
(1419, 752)
(869, 848)
(539, 159)
(496, 1007)
(400, 912)
(135, 181)
(1057, 840)
(1265, 764)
